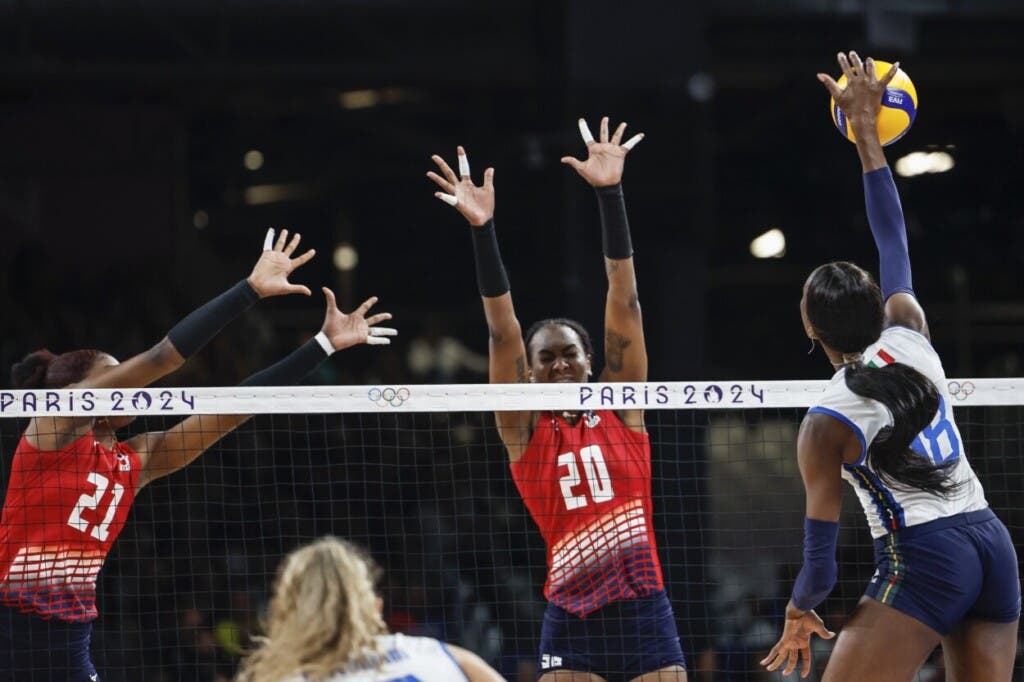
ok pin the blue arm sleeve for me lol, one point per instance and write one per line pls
(818, 574)
(885, 215)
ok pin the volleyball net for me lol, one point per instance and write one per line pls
(418, 476)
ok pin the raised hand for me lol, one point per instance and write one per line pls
(476, 204)
(861, 99)
(269, 276)
(354, 328)
(795, 644)
(605, 159)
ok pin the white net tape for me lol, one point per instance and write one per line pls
(671, 395)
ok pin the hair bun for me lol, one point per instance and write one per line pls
(31, 371)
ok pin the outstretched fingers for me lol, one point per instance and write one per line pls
(293, 244)
(604, 129)
(332, 304)
(574, 162)
(489, 178)
(282, 239)
(617, 136)
(378, 318)
(463, 164)
(303, 259)
(378, 336)
(365, 306)
(858, 67)
(445, 169)
(449, 199)
(441, 182)
(844, 64)
(830, 85)
(887, 78)
(298, 289)
(588, 137)
(633, 141)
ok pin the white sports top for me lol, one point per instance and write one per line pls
(888, 508)
(404, 659)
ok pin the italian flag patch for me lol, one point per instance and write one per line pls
(881, 359)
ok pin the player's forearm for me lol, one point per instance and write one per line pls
(493, 286)
(885, 216)
(502, 324)
(173, 450)
(507, 355)
(622, 287)
(491, 278)
(616, 242)
(200, 326)
(617, 245)
(295, 367)
(818, 575)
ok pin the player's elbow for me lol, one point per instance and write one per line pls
(505, 331)
(164, 358)
(627, 303)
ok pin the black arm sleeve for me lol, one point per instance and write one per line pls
(491, 278)
(292, 369)
(202, 324)
(615, 239)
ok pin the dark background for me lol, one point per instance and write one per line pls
(124, 204)
(120, 121)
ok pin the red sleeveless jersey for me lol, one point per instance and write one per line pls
(588, 488)
(63, 511)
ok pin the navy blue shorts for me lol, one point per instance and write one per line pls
(39, 650)
(619, 641)
(949, 570)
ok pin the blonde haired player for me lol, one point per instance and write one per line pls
(325, 625)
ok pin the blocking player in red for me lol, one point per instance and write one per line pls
(73, 482)
(584, 476)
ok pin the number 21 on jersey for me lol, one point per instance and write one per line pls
(91, 502)
(599, 483)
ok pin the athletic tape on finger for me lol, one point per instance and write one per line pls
(633, 141)
(463, 165)
(449, 199)
(268, 241)
(383, 331)
(378, 341)
(588, 137)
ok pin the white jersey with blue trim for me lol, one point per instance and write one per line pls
(403, 659)
(890, 508)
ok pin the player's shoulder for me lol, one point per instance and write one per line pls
(905, 336)
(410, 644)
(84, 443)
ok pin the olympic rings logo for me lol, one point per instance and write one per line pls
(961, 391)
(384, 397)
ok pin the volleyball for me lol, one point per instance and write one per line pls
(899, 107)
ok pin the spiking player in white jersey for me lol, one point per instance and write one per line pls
(325, 625)
(946, 569)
